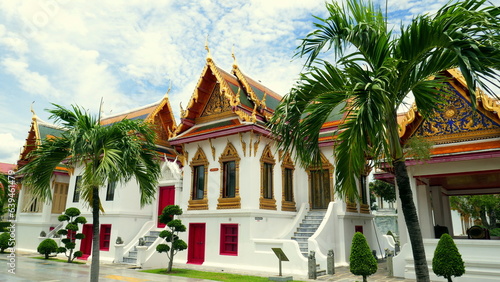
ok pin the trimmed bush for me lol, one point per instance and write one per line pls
(172, 243)
(4, 241)
(47, 247)
(447, 261)
(361, 261)
(71, 215)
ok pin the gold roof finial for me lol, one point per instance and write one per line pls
(209, 56)
(235, 64)
(34, 117)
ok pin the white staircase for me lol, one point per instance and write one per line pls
(131, 257)
(306, 229)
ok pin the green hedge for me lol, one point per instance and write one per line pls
(4, 225)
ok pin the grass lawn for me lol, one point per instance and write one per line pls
(217, 276)
(58, 260)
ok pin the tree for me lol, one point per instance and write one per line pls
(47, 247)
(384, 190)
(447, 261)
(361, 261)
(484, 207)
(117, 152)
(171, 236)
(369, 84)
(71, 215)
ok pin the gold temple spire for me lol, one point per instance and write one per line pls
(34, 117)
(235, 64)
(209, 56)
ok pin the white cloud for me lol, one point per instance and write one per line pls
(10, 148)
(30, 81)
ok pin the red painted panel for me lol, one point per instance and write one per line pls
(166, 198)
(358, 228)
(196, 243)
(86, 244)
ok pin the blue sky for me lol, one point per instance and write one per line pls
(129, 52)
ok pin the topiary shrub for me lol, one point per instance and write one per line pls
(361, 261)
(47, 247)
(173, 243)
(4, 241)
(447, 261)
(71, 215)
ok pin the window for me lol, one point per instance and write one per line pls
(110, 192)
(288, 184)
(78, 184)
(198, 182)
(267, 181)
(199, 168)
(229, 179)
(267, 162)
(229, 239)
(105, 237)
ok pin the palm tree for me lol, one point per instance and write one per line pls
(116, 152)
(373, 71)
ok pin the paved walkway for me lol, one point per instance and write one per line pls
(28, 269)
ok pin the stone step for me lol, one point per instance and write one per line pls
(314, 217)
(300, 239)
(132, 254)
(129, 260)
(303, 234)
(150, 238)
(320, 273)
(307, 229)
(307, 224)
(154, 233)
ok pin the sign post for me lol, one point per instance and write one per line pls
(281, 256)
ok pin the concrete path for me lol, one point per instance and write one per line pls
(28, 269)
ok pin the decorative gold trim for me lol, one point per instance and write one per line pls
(199, 159)
(237, 72)
(489, 103)
(364, 208)
(215, 117)
(243, 144)
(408, 118)
(256, 145)
(212, 148)
(351, 207)
(229, 154)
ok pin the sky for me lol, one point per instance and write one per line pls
(128, 53)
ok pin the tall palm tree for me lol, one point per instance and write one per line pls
(116, 152)
(372, 71)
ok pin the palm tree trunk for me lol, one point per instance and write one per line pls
(94, 267)
(411, 219)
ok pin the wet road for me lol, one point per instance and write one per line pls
(28, 269)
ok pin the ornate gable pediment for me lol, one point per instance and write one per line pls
(456, 120)
(217, 103)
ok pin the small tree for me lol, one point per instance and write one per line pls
(447, 261)
(4, 241)
(47, 247)
(174, 244)
(71, 215)
(361, 261)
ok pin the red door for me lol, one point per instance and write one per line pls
(86, 244)
(166, 197)
(196, 243)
